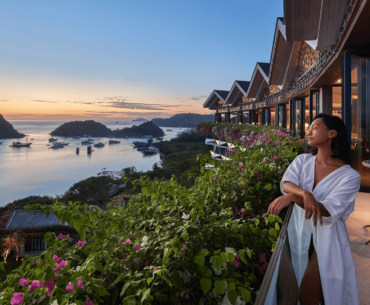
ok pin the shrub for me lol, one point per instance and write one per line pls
(208, 244)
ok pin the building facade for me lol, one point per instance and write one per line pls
(320, 63)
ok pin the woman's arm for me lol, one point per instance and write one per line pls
(306, 201)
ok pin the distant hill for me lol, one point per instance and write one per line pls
(80, 128)
(147, 128)
(184, 120)
(96, 129)
(7, 130)
(140, 120)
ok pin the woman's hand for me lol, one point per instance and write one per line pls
(280, 203)
(312, 208)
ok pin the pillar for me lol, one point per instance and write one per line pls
(326, 98)
(346, 92)
(276, 123)
(291, 114)
(240, 117)
(227, 117)
(266, 115)
(216, 117)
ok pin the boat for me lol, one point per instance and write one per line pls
(53, 139)
(99, 174)
(56, 146)
(89, 149)
(114, 141)
(32, 139)
(148, 152)
(19, 144)
(99, 144)
(77, 150)
(168, 129)
(61, 143)
(87, 142)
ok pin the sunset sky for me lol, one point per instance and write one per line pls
(120, 60)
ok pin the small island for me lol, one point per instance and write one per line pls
(140, 120)
(7, 130)
(96, 129)
(184, 120)
(144, 129)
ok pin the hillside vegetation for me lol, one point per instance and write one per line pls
(7, 130)
(184, 120)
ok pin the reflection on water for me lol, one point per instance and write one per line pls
(39, 170)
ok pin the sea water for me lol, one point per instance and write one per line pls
(38, 170)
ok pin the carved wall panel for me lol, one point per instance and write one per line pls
(307, 58)
(272, 89)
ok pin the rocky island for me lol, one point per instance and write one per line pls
(144, 129)
(7, 130)
(96, 129)
(184, 120)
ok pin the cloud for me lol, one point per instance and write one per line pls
(84, 103)
(197, 98)
(42, 101)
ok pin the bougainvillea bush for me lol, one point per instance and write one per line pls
(208, 244)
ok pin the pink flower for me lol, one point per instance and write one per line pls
(127, 241)
(56, 258)
(81, 243)
(43, 285)
(61, 265)
(17, 298)
(242, 175)
(122, 259)
(257, 175)
(34, 285)
(137, 248)
(89, 302)
(154, 268)
(262, 258)
(79, 283)
(237, 257)
(235, 263)
(61, 236)
(24, 282)
(51, 285)
(49, 292)
(69, 288)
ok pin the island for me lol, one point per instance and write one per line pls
(97, 129)
(142, 130)
(140, 120)
(184, 120)
(7, 130)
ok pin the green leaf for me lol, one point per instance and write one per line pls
(77, 224)
(204, 252)
(100, 234)
(129, 300)
(219, 286)
(277, 227)
(124, 288)
(225, 256)
(207, 272)
(49, 273)
(231, 257)
(205, 284)
(149, 280)
(146, 294)
(199, 259)
(232, 295)
(216, 262)
(110, 249)
(242, 257)
(273, 233)
(278, 219)
(82, 232)
(230, 286)
(246, 295)
(257, 222)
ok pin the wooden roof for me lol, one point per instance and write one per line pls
(238, 89)
(214, 98)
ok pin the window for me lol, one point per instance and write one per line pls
(287, 117)
(337, 101)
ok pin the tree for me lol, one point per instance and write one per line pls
(92, 190)
(19, 238)
(6, 246)
(150, 141)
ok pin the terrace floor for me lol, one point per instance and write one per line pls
(358, 236)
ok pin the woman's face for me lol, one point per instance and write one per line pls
(318, 134)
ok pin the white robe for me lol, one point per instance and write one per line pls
(337, 192)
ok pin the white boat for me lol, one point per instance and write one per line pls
(87, 142)
(56, 146)
(53, 139)
(99, 144)
(114, 141)
(61, 143)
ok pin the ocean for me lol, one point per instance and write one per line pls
(38, 170)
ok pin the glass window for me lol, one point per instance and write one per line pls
(298, 114)
(306, 112)
(272, 116)
(337, 101)
(360, 108)
(287, 117)
(315, 104)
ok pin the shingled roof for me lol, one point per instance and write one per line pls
(22, 219)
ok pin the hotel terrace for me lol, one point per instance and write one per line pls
(320, 62)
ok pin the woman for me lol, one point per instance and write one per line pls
(324, 187)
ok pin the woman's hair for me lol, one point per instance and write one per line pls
(339, 144)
